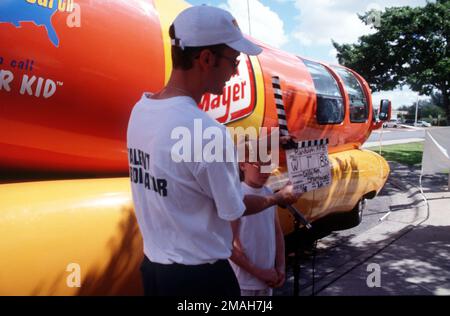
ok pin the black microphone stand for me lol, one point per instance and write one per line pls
(298, 220)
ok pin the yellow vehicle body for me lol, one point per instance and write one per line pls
(45, 227)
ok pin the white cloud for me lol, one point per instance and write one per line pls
(333, 53)
(266, 25)
(304, 38)
(322, 20)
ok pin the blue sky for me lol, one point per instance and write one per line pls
(306, 28)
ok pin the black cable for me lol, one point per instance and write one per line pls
(314, 268)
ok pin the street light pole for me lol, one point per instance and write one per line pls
(417, 109)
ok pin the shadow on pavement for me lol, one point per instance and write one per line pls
(415, 260)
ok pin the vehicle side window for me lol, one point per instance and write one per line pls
(359, 107)
(330, 103)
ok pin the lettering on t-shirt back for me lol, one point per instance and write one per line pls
(139, 172)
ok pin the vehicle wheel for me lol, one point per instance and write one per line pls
(359, 209)
(354, 217)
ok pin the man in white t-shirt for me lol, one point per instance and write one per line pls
(184, 204)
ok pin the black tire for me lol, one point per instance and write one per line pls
(356, 214)
(353, 218)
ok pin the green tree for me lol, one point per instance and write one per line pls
(437, 99)
(409, 47)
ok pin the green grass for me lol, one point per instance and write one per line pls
(409, 154)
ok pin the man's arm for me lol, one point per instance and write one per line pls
(255, 203)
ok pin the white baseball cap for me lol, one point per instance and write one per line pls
(204, 26)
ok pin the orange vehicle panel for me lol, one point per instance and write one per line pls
(99, 71)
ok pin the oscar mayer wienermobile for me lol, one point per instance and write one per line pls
(70, 73)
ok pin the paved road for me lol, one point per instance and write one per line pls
(396, 134)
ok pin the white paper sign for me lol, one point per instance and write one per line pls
(308, 165)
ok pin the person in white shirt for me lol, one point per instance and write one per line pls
(258, 257)
(183, 204)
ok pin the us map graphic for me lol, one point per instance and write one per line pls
(18, 11)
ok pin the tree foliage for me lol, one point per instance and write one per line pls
(409, 47)
(427, 111)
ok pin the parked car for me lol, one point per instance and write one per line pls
(422, 124)
(392, 123)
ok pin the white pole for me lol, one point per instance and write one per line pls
(248, 15)
(449, 181)
(417, 109)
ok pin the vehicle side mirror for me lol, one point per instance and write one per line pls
(385, 110)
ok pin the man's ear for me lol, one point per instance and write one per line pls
(206, 59)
